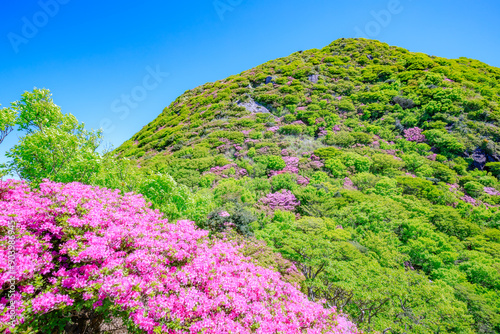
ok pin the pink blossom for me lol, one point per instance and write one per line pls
(113, 248)
(348, 184)
(468, 199)
(491, 191)
(224, 214)
(414, 134)
(283, 200)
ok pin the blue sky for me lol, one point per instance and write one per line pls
(106, 62)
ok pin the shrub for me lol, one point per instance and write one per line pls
(444, 141)
(336, 167)
(239, 220)
(346, 105)
(206, 181)
(111, 256)
(275, 162)
(414, 134)
(341, 138)
(494, 168)
(475, 189)
(327, 152)
(359, 162)
(291, 129)
(284, 181)
(283, 200)
(289, 118)
(291, 99)
(318, 177)
(268, 134)
(386, 186)
(251, 152)
(364, 181)
(385, 164)
(404, 102)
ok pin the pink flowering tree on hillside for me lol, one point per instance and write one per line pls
(283, 200)
(414, 134)
(86, 254)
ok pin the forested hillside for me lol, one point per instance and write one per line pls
(373, 169)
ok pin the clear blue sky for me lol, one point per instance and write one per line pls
(91, 53)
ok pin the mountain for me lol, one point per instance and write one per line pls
(374, 169)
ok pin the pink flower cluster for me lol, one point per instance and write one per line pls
(283, 200)
(224, 214)
(273, 128)
(348, 184)
(78, 244)
(322, 132)
(302, 180)
(248, 140)
(491, 191)
(414, 134)
(292, 166)
(223, 170)
(468, 199)
(432, 157)
(336, 128)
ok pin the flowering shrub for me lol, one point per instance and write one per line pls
(414, 134)
(283, 200)
(491, 191)
(224, 214)
(90, 253)
(468, 199)
(322, 132)
(229, 169)
(348, 184)
(291, 166)
(303, 181)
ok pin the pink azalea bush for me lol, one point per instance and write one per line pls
(283, 200)
(291, 166)
(89, 250)
(491, 191)
(414, 134)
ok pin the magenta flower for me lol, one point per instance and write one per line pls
(224, 214)
(79, 244)
(283, 200)
(491, 191)
(468, 199)
(414, 134)
(348, 184)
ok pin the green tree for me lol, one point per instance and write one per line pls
(56, 146)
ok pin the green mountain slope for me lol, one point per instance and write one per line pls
(374, 169)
